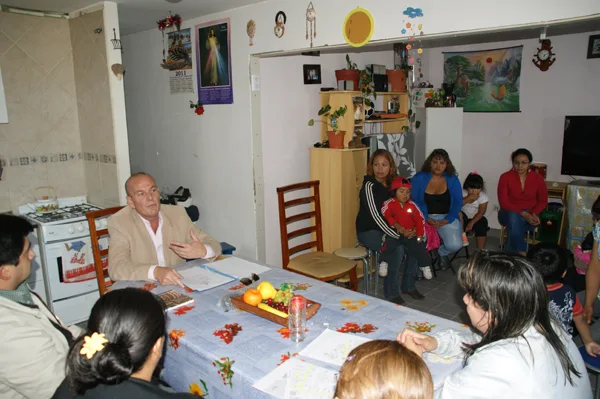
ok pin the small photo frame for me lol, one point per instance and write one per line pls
(594, 47)
(312, 74)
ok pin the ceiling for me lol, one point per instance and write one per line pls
(137, 15)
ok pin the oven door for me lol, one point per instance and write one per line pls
(70, 268)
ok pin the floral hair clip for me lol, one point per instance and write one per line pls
(349, 358)
(474, 172)
(93, 344)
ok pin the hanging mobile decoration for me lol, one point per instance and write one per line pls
(170, 23)
(250, 30)
(280, 21)
(311, 19)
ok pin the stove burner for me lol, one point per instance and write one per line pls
(66, 213)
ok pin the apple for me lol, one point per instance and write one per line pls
(267, 290)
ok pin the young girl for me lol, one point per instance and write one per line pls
(384, 369)
(475, 204)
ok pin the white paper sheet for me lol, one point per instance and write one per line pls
(236, 267)
(307, 381)
(296, 379)
(200, 279)
(332, 347)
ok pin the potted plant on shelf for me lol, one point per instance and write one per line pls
(351, 73)
(366, 80)
(330, 119)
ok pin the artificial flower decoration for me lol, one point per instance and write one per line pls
(199, 108)
(413, 12)
(170, 21)
(92, 344)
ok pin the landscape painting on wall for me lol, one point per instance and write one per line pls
(487, 80)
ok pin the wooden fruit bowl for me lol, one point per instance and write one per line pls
(238, 302)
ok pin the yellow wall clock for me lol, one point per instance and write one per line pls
(358, 27)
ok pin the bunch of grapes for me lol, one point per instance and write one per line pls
(277, 305)
(283, 296)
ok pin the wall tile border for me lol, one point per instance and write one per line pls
(57, 157)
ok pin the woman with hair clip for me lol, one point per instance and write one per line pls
(117, 356)
(521, 352)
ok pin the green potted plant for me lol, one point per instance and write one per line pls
(330, 119)
(351, 73)
(366, 79)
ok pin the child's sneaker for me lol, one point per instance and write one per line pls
(383, 269)
(427, 272)
(465, 240)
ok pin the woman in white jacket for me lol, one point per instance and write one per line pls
(521, 353)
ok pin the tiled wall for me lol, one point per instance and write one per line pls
(41, 144)
(94, 109)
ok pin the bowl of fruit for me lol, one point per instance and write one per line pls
(271, 303)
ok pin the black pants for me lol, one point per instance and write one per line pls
(412, 248)
(480, 228)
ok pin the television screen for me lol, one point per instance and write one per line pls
(581, 146)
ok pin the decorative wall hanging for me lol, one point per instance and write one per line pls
(411, 12)
(594, 47)
(485, 81)
(197, 107)
(251, 30)
(358, 27)
(179, 61)
(312, 74)
(412, 51)
(213, 59)
(116, 42)
(544, 56)
(311, 19)
(117, 70)
(169, 24)
(280, 21)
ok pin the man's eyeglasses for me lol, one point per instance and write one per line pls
(248, 281)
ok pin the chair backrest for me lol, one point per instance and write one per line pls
(100, 255)
(314, 215)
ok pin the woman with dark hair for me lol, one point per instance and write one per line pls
(123, 345)
(373, 230)
(522, 195)
(522, 353)
(438, 193)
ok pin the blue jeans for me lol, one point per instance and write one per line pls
(393, 254)
(451, 235)
(517, 227)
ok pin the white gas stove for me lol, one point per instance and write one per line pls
(65, 275)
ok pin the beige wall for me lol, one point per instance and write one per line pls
(41, 144)
(94, 109)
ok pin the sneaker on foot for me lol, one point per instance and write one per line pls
(427, 272)
(383, 269)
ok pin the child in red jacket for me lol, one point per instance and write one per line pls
(403, 215)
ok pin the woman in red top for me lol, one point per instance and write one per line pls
(522, 195)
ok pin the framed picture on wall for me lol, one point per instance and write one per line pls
(594, 47)
(312, 74)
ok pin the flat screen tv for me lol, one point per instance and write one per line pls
(581, 146)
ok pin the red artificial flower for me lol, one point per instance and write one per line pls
(199, 110)
(488, 60)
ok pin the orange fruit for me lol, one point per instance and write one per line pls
(252, 297)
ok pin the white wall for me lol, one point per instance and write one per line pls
(287, 105)
(569, 87)
(212, 154)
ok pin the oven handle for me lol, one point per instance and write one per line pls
(60, 269)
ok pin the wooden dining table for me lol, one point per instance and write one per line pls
(222, 354)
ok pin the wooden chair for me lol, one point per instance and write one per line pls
(316, 264)
(100, 254)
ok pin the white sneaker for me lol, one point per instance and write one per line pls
(383, 269)
(427, 272)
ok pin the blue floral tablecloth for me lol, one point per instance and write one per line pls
(222, 354)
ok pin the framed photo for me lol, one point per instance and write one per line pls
(594, 47)
(312, 74)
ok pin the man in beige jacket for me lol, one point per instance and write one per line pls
(147, 240)
(33, 342)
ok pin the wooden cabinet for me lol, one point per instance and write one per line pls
(341, 173)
